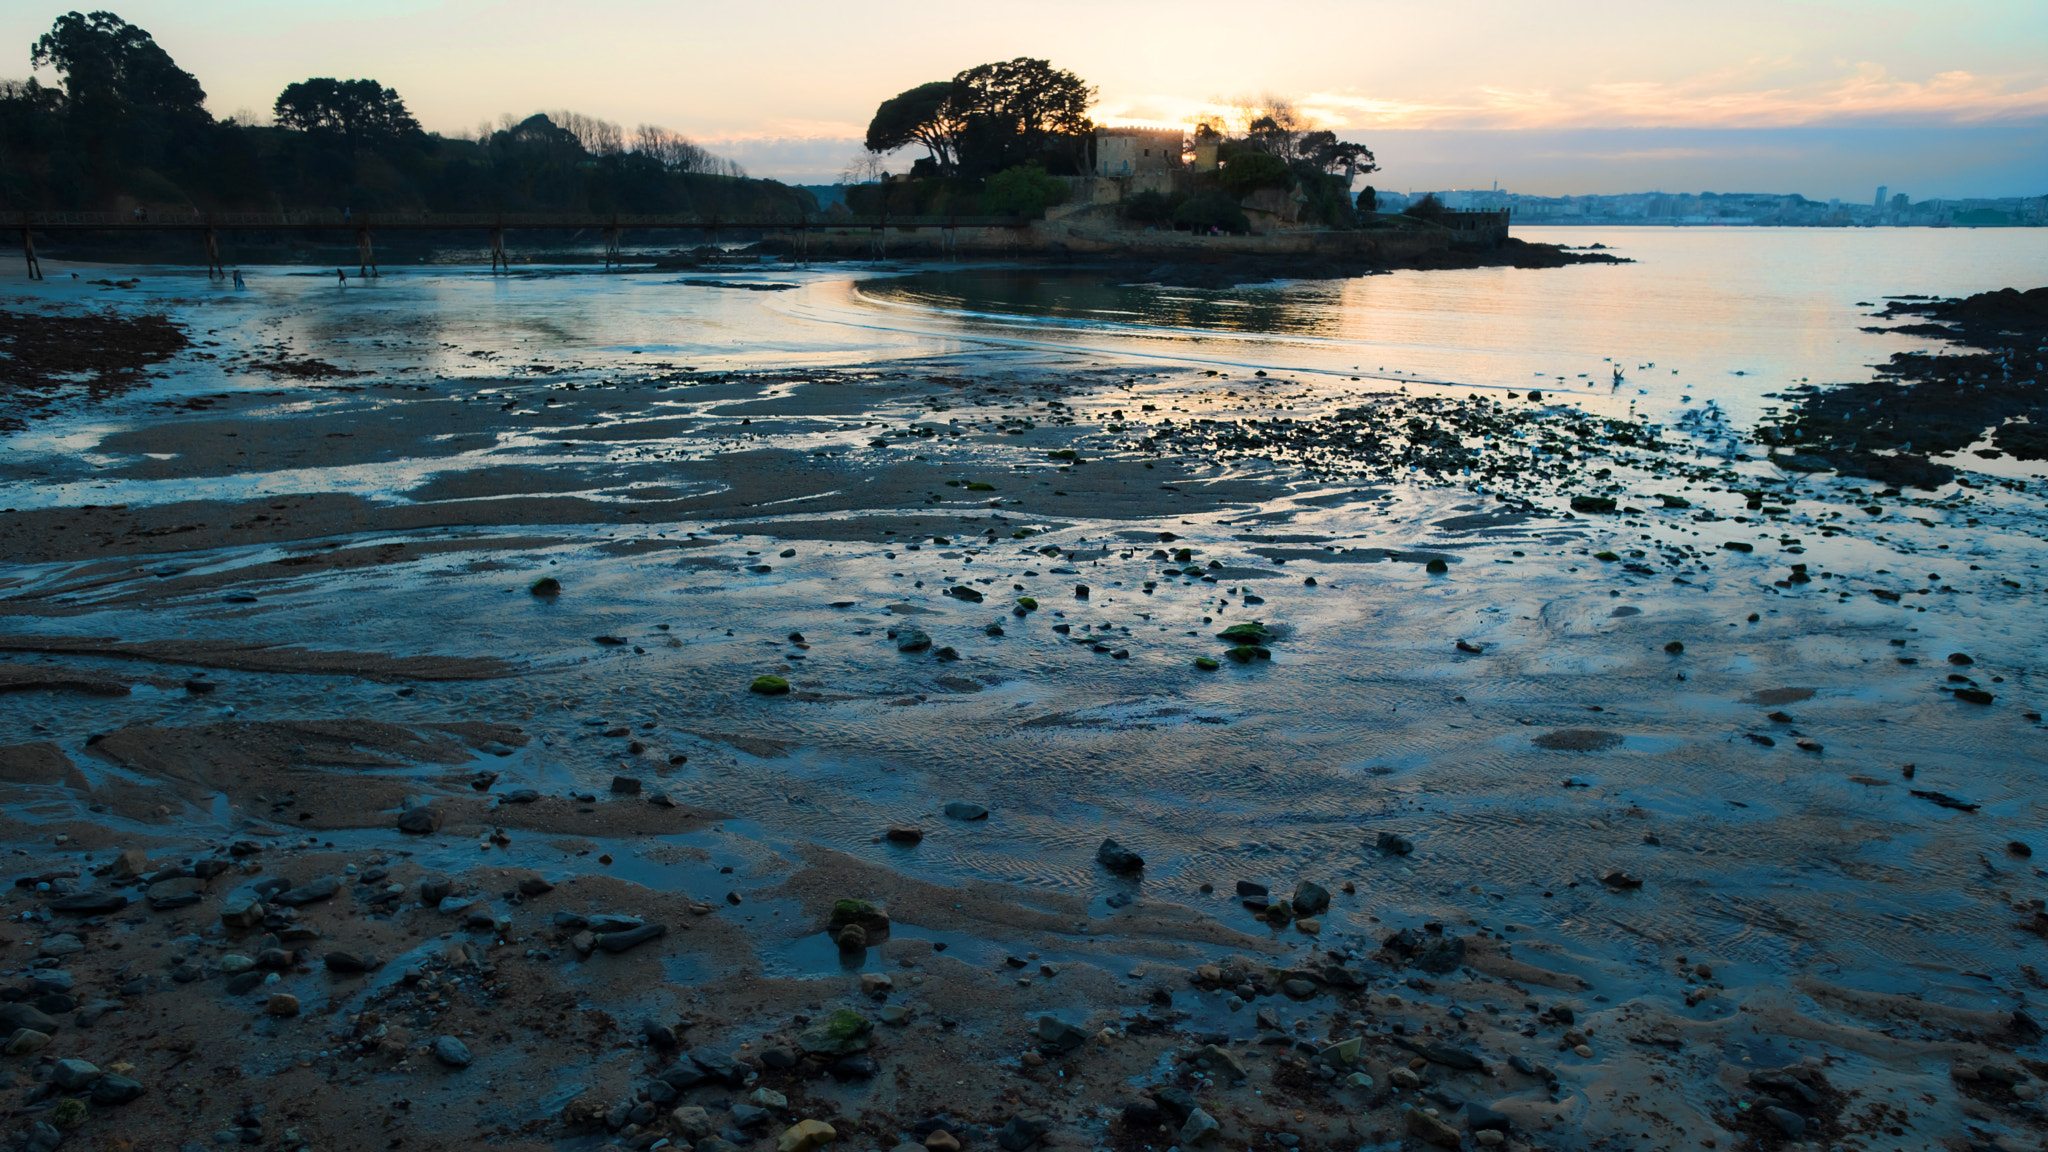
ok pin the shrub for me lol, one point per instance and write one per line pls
(1368, 199)
(1211, 210)
(1025, 190)
(1148, 207)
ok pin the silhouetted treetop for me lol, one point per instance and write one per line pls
(362, 110)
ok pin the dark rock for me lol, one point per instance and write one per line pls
(1394, 844)
(1022, 1132)
(1117, 858)
(1309, 899)
(435, 888)
(1056, 1035)
(853, 1068)
(346, 962)
(1792, 1124)
(18, 1015)
(963, 810)
(778, 1057)
(632, 937)
(112, 1089)
(625, 786)
(423, 820)
(93, 902)
(534, 886)
(299, 897)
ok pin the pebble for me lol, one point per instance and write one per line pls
(1431, 1130)
(282, 1004)
(1118, 858)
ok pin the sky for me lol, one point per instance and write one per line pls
(1828, 99)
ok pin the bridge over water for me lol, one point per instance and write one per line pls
(208, 227)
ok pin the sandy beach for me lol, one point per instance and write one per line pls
(1220, 757)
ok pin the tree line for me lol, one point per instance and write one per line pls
(127, 127)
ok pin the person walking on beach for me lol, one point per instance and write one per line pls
(238, 279)
(341, 277)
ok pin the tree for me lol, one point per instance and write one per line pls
(1017, 111)
(1245, 171)
(1337, 157)
(1368, 200)
(1428, 208)
(676, 153)
(110, 67)
(363, 111)
(923, 115)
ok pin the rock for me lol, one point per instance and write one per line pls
(114, 1088)
(1022, 1132)
(535, 886)
(71, 1075)
(19, 1015)
(321, 889)
(767, 1098)
(805, 1135)
(1309, 925)
(450, 905)
(690, 1122)
(1431, 1130)
(904, 833)
(1309, 899)
(875, 984)
(853, 1068)
(745, 1116)
(1791, 1123)
(1200, 1127)
(1394, 844)
(180, 892)
(912, 640)
(625, 785)
(1220, 1060)
(1619, 879)
(868, 916)
(92, 902)
(345, 962)
(520, 796)
(941, 1140)
(1118, 858)
(130, 864)
(962, 810)
(435, 888)
(282, 1004)
(842, 1032)
(1056, 1035)
(26, 1040)
(242, 914)
(852, 938)
(422, 820)
(770, 685)
(452, 1052)
(1489, 1138)
(630, 938)
(61, 945)
(1298, 989)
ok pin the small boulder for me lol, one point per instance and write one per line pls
(423, 820)
(805, 1136)
(452, 1052)
(282, 1004)
(1431, 1130)
(1309, 898)
(1118, 858)
(963, 810)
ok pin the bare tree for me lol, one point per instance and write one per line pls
(864, 168)
(677, 153)
(598, 137)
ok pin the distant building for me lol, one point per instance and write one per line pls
(1133, 151)
(1881, 190)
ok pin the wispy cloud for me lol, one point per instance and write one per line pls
(1736, 97)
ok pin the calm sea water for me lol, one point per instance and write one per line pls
(1726, 314)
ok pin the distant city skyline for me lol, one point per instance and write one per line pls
(1826, 98)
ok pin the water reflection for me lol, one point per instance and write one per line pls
(1303, 309)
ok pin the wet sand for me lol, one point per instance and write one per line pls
(1698, 818)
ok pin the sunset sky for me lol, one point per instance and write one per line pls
(1829, 99)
